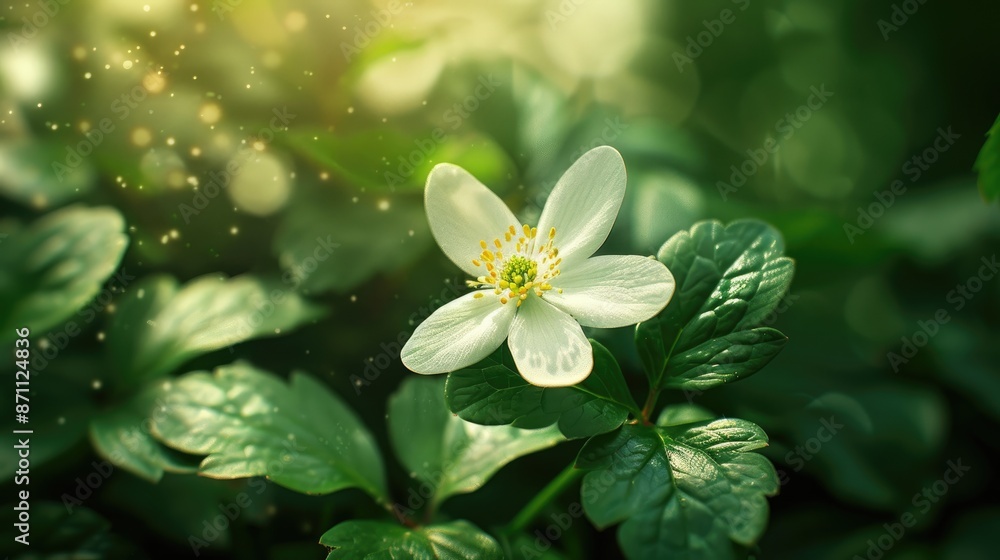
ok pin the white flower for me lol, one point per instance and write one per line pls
(535, 286)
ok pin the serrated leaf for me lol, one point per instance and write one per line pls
(122, 436)
(493, 393)
(159, 325)
(452, 455)
(367, 540)
(988, 164)
(684, 491)
(728, 280)
(724, 359)
(54, 267)
(250, 423)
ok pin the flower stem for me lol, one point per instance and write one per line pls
(532, 510)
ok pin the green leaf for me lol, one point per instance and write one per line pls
(159, 325)
(122, 436)
(51, 269)
(453, 455)
(251, 423)
(493, 393)
(680, 491)
(58, 532)
(368, 540)
(724, 359)
(728, 280)
(27, 175)
(988, 164)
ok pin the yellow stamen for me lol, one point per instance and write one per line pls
(479, 295)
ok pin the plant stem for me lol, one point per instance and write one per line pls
(647, 409)
(532, 510)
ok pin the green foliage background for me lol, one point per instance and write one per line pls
(132, 272)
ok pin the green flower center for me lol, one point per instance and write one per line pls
(528, 267)
(518, 271)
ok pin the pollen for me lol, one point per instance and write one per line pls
(517, 266)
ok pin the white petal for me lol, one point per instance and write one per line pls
(584, 203)
(461, 212)
(548, 346)
(613, 291)
(458, 334)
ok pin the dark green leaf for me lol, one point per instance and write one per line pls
(988, 164)
(680, 491)
(61, 533)
(724, 359)
(492, 393)
(122, 436)
(251, 423)
(728, 280)
(453, 455)
(159, 325)
(51, 269)
(367, 540)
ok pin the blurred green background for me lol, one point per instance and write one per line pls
(851, 126)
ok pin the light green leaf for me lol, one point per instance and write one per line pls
(453, 455)
(159, 325)
(492, 393)
(251, 423)
(728, 280)
(368, 540)
(51, 269)
(29, 173)
(680, 491)
(122, 435)
(988, 164)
